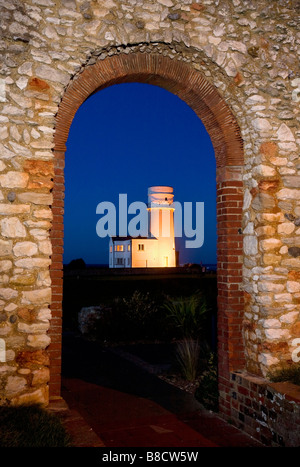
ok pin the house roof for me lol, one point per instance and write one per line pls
(121, 239)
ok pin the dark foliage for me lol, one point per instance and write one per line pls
(290, 374)
(31, 426)
(207, 393)
(76, 264)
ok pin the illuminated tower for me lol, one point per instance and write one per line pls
(161, 223)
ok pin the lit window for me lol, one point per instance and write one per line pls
(110, 248)
(128, 247)
(120, 248)
(141, 247)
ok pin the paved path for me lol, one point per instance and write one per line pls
(126, 406)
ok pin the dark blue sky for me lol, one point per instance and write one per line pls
(124, 139)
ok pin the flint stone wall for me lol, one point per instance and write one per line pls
(249, 51)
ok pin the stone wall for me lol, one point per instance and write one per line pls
(248, 53)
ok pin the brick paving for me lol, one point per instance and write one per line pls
(113, 403)
(100, 416)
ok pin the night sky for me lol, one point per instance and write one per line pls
(125, 139)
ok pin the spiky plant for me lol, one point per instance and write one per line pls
(187, 314)
(187, 353)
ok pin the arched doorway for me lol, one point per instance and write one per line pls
(190, 86)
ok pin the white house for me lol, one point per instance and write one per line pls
(158, 248)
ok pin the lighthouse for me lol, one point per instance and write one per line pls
(157, 249)
(161, 223)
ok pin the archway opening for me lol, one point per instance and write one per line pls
(201, 96)
(123, 140)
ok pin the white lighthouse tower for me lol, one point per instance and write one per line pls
(161, 223)
(157, 249)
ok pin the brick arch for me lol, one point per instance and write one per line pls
(174, 76)
(189, 85)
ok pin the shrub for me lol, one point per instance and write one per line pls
(207, 393)
(291, 374)
(187, 314)
(31, 426)
(139, 308)
(136, 317)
